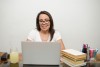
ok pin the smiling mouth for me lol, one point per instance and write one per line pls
(44, 26)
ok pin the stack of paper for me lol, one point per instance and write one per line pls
(73, 56)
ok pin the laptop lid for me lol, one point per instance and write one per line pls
(41, 53)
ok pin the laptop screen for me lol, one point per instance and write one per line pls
(41, 53)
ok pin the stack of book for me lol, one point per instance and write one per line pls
(73, 56)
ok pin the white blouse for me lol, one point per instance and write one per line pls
(34, 35)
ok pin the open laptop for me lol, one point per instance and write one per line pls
(40, 54)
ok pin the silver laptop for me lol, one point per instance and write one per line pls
(41, 54)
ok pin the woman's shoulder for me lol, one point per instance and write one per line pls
(33, 31)
(57, 35)
(57, 32)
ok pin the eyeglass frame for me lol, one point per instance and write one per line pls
(45, 20)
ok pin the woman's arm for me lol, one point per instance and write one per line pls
(28, 40)
(61, 43)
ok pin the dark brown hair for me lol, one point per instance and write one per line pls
(51, 29)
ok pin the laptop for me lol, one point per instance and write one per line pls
(40, 54)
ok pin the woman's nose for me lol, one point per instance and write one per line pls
(43, 23)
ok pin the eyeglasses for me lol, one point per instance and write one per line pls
(45, 20)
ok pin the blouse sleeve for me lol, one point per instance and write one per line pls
(57, 35)
(31, 35)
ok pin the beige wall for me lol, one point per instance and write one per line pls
(77, 20)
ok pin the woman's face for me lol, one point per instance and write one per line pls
(44, 22)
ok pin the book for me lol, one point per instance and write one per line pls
(72, 58)
(73, 54)
(73, 62)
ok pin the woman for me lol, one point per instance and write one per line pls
(45, 30)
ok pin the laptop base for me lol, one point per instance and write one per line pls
(32, 65)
